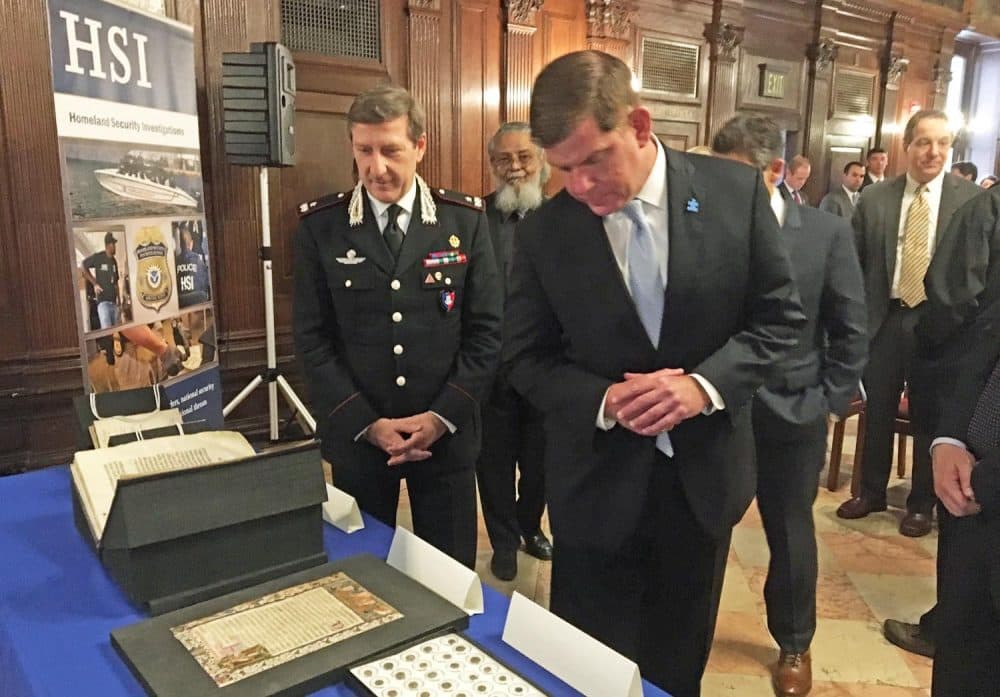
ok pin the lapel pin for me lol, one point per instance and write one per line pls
(692, 205)
(454, 241)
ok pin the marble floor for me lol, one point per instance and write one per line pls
(867, 573)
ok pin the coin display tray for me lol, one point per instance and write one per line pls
(449, 666)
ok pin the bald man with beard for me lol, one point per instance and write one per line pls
(512, 429)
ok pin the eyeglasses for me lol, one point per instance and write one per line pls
(507, 161)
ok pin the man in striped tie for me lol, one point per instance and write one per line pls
(897, 224)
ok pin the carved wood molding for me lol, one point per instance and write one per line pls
(610, 19)
(522, 12)
(620, 48)
(424, 78)
(519, 71)
(897, 67)
(723, 38)
(822, 54)
(941, 76)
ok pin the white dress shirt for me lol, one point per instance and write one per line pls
(852, 196)
(934, 204)
(405, 202)
(779, 206)
(618, 227)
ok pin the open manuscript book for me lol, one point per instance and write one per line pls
(96, 473)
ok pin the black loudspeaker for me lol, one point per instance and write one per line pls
(258, 100)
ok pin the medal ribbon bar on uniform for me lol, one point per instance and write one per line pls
(444, 260)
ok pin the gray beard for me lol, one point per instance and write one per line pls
(527, 197)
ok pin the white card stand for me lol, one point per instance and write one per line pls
(578, 659)
(431, 567)
(341, 510)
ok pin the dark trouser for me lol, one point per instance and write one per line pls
(967, 619)
(512, 437)
(656, 599)
(789, 460)
(889, 365)
(443, 504)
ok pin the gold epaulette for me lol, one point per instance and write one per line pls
(459, 198)
(323, 202)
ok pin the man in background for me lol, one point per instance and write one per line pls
(875, 165)
(841, 201)
(963, 293)
(796, 175)
(512, 429)
(790, 414)
(897, 225)
(965, 170)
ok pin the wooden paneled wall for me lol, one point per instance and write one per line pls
(471, 63)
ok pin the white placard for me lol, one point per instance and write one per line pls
(576, 658)
(341, 510)
(431, 567)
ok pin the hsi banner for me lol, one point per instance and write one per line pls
(126, 115)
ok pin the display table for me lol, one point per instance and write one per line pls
(58, 605)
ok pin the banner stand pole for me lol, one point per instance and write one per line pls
(271, 376)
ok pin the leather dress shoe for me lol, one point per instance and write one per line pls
(915, 524)
(538, 546)
(908, 637)
(858, 507)
(793, 674)
(504, 564)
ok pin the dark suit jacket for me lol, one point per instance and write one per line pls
(788, 190)
(876, 231)
(964, 275)
(821, 375)
(867, 181)
(571, 330)
(969, 374)
(838, 203)
(346, 333)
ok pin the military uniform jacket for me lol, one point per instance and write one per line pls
(380, 338)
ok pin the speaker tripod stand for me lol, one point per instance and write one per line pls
(274, 379)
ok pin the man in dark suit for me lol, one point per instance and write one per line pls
(842, 200)
(397, 321)
(794, 181)
(962, 282)
(790, 413)
(512, 429)
(897, 225)
(876, 163)
(647, 302)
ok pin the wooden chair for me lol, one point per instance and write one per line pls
(857, 408)
(902, 430)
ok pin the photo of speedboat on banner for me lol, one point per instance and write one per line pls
(150, 177)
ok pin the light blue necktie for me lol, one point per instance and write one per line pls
(644, 272)
(646, 285)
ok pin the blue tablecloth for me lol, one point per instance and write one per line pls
(58, 605)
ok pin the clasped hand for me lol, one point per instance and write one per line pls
(650, 403)
(407, 439)
(953, 479)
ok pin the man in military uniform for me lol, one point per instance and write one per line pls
(397, 322)
(101, 271)
(512, 428)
